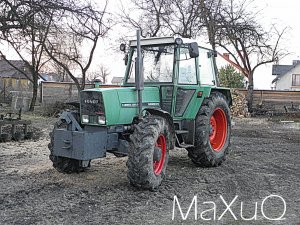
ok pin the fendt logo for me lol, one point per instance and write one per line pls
(91, 101)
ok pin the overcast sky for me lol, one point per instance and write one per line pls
(283, 13)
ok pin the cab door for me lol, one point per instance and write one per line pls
(194, 78)
(186, 84)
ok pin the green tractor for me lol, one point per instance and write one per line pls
(169, 98)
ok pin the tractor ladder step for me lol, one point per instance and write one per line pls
(181, 131)
(183, 145)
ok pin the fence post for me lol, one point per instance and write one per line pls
(41, 92)
(70, 90)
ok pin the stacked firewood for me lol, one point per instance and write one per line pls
(239, 106)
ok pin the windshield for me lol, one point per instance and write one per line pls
(158, 62)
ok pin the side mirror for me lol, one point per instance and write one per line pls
(193, 50)
(123, 47)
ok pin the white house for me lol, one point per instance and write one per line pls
(287, 76)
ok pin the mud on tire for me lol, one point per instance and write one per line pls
(213, 130)
(147, 161)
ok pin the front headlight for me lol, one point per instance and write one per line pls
(101, 119)
(85, 118)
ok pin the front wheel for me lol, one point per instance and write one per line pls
(149, 152)
(213, 130)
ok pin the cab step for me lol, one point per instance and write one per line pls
(181, 131)
(183, 145)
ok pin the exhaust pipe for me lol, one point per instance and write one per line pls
(139, 78)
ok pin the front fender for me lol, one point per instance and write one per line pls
(168, 117)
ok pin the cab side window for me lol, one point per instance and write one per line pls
(206, 67)
(187, 68)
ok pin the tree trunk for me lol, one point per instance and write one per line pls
(250, 92)
(83, 81)
(34, 95)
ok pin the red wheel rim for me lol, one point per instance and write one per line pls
(218, 132)
(162, 147)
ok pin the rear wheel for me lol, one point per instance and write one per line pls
(63, 164)
(149, 152)
(213, 130)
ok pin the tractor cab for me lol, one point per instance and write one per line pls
(177, 67)
(183, 73)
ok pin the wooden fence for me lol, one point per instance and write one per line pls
(272, 100)
(275, 100)
(51, 92)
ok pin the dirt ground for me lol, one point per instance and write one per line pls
(264, 160)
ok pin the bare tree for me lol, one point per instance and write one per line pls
(163, 17)
(229, 24)
(12, 17)
(83, 26)
(60, 74)
(242, 36)
(104, 73)
(183, 18)
(210, 14)
(146, 15)
(32, 29)
(24, 27)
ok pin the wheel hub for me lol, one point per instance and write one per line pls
(218, 129)
(159, 154)
(213, 127)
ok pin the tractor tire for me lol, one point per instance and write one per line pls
(63, 164)
(213, 130)
(148, 153)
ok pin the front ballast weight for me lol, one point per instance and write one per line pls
(73, 145)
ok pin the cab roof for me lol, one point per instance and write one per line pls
(158, 40)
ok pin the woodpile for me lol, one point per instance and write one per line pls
(239, 106)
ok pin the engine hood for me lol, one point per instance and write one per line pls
(120, 104)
